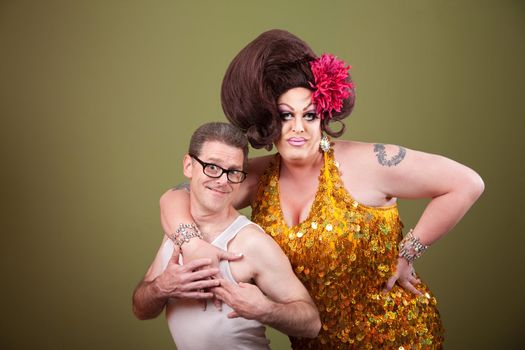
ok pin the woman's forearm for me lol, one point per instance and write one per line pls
(175, 209)
(444, 211)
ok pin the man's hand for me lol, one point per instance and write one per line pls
(187, 281)
(246, 300)
(404, 276)
(197, 249)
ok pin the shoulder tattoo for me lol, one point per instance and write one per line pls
(182, 186)
(379, 150)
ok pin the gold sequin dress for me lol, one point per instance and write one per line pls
(344, 253)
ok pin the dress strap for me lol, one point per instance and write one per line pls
(328, 160)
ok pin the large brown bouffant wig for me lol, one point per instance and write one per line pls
(275, 62)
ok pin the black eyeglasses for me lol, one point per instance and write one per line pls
(215, 171)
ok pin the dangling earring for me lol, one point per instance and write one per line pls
(324, 144)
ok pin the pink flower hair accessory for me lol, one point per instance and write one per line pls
(331, 87)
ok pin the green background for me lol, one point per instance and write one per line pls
(98, 100)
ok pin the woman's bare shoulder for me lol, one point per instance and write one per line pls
(352, 150)
(257, 165)
(345, 145)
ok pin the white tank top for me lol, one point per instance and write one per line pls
(195, 329)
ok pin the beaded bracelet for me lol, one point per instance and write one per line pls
(185, 232)
(411, 247)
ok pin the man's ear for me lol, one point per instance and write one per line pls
(187, 166)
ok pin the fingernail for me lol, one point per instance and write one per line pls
(239, 254)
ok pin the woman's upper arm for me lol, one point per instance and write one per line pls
(399, 172)
(425, 175)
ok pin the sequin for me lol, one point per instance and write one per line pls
(344, 256)
(383, 268)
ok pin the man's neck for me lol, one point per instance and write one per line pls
(211, 224)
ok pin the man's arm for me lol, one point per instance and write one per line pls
(166, 279)
(278, 299)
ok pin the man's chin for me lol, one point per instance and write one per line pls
(218, 200)
(216, 206)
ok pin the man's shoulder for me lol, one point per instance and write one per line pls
(253, 237)
(252, 229)
(257, 165)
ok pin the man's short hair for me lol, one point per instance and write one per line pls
(222, 132)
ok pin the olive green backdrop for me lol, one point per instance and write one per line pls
(98, 100)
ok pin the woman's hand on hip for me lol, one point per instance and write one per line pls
(405, 276)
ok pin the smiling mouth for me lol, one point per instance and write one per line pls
(218, 191)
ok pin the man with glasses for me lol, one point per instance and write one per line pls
(258, 288)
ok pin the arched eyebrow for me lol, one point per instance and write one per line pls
(284, 104)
